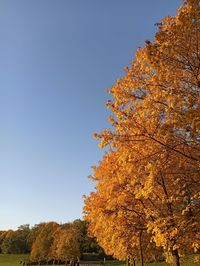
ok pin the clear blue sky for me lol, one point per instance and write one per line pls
(57, 58)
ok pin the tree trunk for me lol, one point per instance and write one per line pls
(176, 259)
(141, 251)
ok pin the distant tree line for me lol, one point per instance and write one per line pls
(51, 242)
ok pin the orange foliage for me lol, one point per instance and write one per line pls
(149, 179)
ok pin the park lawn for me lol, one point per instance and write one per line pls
(188, 262)
(12, 259)
(184, 262)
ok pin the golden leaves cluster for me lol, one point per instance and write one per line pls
(148, 181)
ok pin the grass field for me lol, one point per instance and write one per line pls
(188, 262)
(13, 260)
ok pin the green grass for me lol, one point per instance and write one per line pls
(188, 262)
(11, 260)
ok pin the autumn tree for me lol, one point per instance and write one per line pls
(66, 245)
(44, 240)
(32, 236)
(48, 242)
(155, 140)
(56, 242)
(121, 227)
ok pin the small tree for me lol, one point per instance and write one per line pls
(42, 245)
(66, 245)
